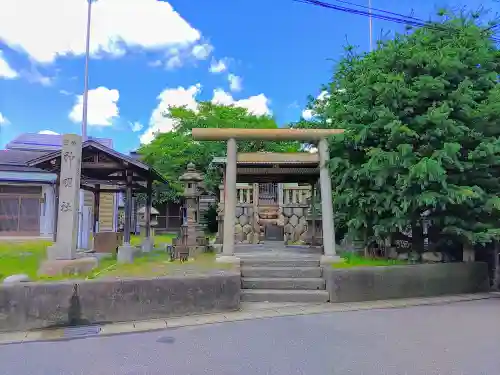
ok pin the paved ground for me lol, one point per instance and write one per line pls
(456, 339)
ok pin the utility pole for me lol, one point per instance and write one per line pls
(85, 103)
(370, 20)
(86, 76)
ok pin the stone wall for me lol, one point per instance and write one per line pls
(422, 280)
(245, 229)
(291, 213)
(25, 306)
(294, 218)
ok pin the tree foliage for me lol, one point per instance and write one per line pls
(170, 152)
(421, 118)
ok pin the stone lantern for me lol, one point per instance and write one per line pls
(194, 237)
(191, 180)
(141, 217)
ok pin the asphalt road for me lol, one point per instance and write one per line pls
(458, 339)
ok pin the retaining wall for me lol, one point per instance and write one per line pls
(423, 280)
(25, 306)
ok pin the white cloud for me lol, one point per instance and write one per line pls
(3, 120)
(6, 71)
(170, 97)
(257, 104)
(218, 66)
(307, 114)
(136, 126)
(202, 51)
(181, 96)
(174, 62)
(235, 82)
(323, 95)
(61, 26)
(155, 63)
(48, 132)
(102, 107)
(34, 76)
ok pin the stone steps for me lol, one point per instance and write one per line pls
(281, 272)
(279, 295)
(279, 263)
(282, 277)
(283, 283)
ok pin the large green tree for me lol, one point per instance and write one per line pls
(421, 118)
(170, 152)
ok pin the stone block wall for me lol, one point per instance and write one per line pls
(294, 219)
(245, 229)
(25, 306)
(358, 284)
(292, 213)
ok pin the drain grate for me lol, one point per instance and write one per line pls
(166, 340)
(73, 332)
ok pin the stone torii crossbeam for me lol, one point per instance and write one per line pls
(232, 135)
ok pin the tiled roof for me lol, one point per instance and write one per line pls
(19, 157)
(46, 142)
(31, 146)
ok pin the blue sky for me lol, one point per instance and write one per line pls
(266, 55)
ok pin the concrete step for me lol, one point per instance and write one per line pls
(274, 295)
(287, 272)
(283, 283)
(276, 262)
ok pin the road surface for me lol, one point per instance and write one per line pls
(457, 339)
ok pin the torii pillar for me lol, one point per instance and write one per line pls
(232, 135)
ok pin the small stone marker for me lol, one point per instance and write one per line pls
(21, 278)
(69, 199)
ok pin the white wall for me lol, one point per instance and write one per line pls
(47, 211)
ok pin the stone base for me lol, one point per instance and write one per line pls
(196, 250)
(327, 260)
(64, 267)
(147, 244)
(127, 253)
(54, 252)
(228, 259)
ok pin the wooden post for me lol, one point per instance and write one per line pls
(97, 201)
(128, 208)
(149, 203)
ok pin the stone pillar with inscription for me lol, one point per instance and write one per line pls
(62, 255)
(69, 199)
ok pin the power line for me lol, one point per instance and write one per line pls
(382, 14)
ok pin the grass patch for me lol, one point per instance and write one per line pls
(25, 258)
(159, 239)
(157, 263)
(355, 260)
(22, 257)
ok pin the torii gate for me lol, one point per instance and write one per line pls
(231, 135)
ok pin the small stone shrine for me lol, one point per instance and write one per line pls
(141, 216)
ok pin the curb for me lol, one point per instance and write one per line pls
(72, 333)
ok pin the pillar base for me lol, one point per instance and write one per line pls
(55, 252)
(228, 259)
(64, 267)
(327, 260)
(147, 244)
(126, 253)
